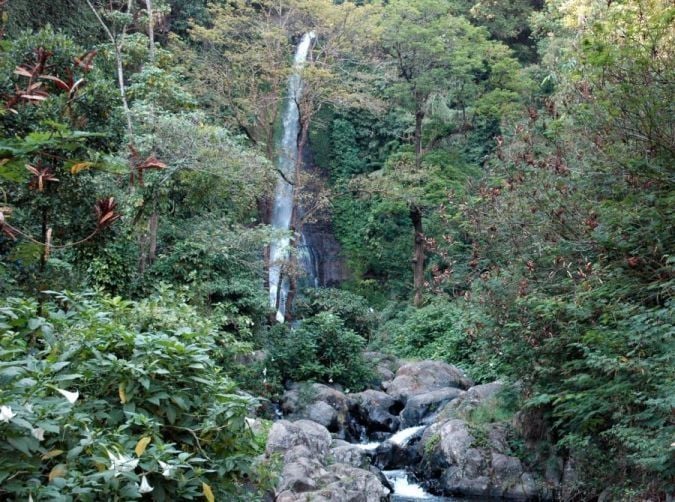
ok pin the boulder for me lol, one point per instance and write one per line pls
(375, 410)
(421, 408)
(324, 414)
(301, 475)
(284, 435)
(317, 402)
(454, 442)
(359, 485)
(351, 455)
(470, 400)
(385, 367)
(470, 467)
(454, 482)
(390, 456)
(306, 473)
(426, 376)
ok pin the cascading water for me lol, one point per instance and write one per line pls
(406, 489)
(282, 210)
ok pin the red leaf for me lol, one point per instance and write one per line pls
(59, 83)
(152, 163)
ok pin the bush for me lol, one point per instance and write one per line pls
(438, 330)
(102, 397)
(322, 349)
(351, 308)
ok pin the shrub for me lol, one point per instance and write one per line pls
(439, 330)
(103, 397)
(350, 307)
(322, 349)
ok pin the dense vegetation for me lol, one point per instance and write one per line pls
(499, 177)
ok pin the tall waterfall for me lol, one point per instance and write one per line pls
(283, 198)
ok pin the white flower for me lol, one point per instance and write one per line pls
(122, 463)
(167, 470)
(30, 498)
(6, 414)
(70, 396)
(145, 486)
(38, 433)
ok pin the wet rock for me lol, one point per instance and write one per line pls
(426, 376)
(376, 410)
(454, 482)
(390, 456)
(421, 407)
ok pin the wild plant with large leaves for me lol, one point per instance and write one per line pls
(103, 398)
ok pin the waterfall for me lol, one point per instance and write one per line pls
(282, 210)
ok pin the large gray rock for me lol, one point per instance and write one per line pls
(421, 408)
(385, 367)
(359, 485)
(376, 410)
(306, 473)
(302, 475)
(284, 435)
(426, 376)
(465, 404)
(474, 467)
(351, 455)
(324, 414)
(317, 402)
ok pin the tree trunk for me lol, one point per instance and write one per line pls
(419, 117)
(292, 276)
(418, 256)
(153, 225)
(151, 30)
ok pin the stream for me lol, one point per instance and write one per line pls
(406, 488)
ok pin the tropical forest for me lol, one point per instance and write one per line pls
(337, 250)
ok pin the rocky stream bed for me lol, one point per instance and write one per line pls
(409, 439)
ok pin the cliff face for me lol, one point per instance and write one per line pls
(321, 249)
(325, 252)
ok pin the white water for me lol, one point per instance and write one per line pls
(402, 437)
(368, 446)
(283, 197)
(403, 488)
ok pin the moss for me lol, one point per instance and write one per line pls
(431, 444)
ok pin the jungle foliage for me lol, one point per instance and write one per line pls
(499, 177)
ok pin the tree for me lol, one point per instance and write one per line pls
(572, 278)
(50, 88)
(442, 65)
(242, 65)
